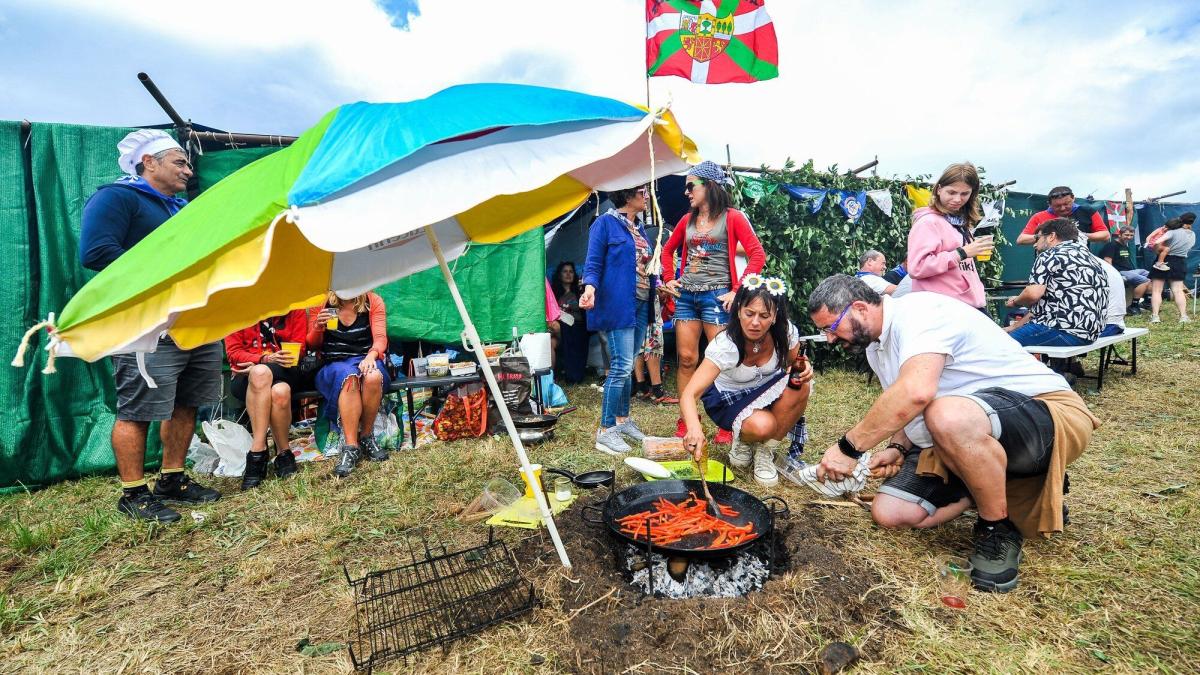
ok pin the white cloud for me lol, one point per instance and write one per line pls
(1095, 95)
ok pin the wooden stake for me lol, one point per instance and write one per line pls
(1129, 208)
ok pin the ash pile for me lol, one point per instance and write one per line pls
(678, 578)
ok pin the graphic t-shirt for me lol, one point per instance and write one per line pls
(708, 258)
(1076, 294)
(1121, 257)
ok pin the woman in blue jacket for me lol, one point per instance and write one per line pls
(616, 294)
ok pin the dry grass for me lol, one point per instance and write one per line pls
(82, 589)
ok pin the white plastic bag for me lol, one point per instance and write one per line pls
(232, 442)
(387, 431)
(202, 456)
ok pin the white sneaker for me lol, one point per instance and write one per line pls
(1184, 319)
(1155, 319)
(630, 430)
(609, 441)
(741, 454)
(764, 466)
(1161, 267)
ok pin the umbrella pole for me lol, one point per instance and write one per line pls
(476, 346)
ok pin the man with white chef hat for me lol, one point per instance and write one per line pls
(115, 219)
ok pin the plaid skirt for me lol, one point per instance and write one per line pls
(730, 408)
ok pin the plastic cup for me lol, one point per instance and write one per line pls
(537, 475)
(293, 350)
(984, 257)
(331, 323)
(954, 581)
(497, 495)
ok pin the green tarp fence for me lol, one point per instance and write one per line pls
(57, 426)
(1019, 207)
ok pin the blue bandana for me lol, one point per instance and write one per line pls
(142, 185)
(710, 171)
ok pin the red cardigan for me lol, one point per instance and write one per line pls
(378, 316)
(740, 232)
(245, 346)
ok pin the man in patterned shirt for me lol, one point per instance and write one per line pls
(1067, 291)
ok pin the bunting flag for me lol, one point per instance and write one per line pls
(918, 196)
(815, 198)
(852, 203)
(757, 188)
(993, 212)
(711, 41)
(882, 199)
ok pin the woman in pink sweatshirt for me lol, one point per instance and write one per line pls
(941, 250)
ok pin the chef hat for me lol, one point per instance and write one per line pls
(140, 143)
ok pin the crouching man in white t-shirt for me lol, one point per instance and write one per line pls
(968, 415)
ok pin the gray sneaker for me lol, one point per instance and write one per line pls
(630, 430)
(997, 556)
(347, 461)
(372, 450)
(609, 441)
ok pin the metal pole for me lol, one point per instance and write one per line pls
(162, 100)
(864, 167)
(476, 345)
(233, 139)
(1161, 197)
(1007, 183)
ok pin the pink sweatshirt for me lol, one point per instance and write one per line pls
(933, 262)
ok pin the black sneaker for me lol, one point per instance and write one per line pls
(372, 450)
(256, 469)
(145, 506)
(1135, 308)
(285, 464)
(996, 557)
(347, 461)
(183, 489)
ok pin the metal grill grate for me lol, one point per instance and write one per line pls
(439, 597)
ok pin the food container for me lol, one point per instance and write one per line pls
(438, 365)
(662, 449)
(465, 368)
(493, 351)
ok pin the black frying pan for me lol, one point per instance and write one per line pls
(534, 421)
(588, 480)
(641, 497)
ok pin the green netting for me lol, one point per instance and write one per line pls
(501, 284)
(1019, 207)
(213, 166)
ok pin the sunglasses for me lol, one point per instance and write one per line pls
(1060, 195)
(836, 322)
(688, 186)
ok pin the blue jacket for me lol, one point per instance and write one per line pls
(118, 216)
(609, 267)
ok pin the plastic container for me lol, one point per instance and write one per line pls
(954, 581)
(438, 365)
(467, 368)
(536, 348)
(663, 449)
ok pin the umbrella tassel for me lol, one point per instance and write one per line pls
(51, 355)
(19, 360)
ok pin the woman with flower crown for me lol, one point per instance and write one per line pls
(753, 382)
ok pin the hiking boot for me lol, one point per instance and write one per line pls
(1135, 308)
(996, 557)
(347, 460)
(764, 466)
(680, 428)
(256, 469)
(183, 489)
(630, 430)
(609, 441)
(285, 464)
(741, 454)
(724, 436)
(145, 506)
(372, 449)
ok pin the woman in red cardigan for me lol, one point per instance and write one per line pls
(264, 375)
(707, 239)
(351, 336)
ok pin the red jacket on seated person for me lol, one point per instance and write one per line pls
(249, 344)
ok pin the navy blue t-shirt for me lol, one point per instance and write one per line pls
(117, 217)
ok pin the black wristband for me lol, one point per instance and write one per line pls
(848, 448)
(962, 253)
(900, 447)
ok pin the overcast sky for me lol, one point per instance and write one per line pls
(1096, 95)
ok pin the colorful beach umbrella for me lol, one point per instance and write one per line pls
(372, 193)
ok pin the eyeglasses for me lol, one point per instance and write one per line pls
(836, 322)
(687, 187)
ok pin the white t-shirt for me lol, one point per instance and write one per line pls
(980, 354)
(736, 377)
(1116, 295)
(904, 287)
(875, 282)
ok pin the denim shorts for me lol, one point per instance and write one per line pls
(703, 306)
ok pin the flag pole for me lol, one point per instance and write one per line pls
(476, 345)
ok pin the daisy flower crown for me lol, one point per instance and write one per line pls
(775, 285)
